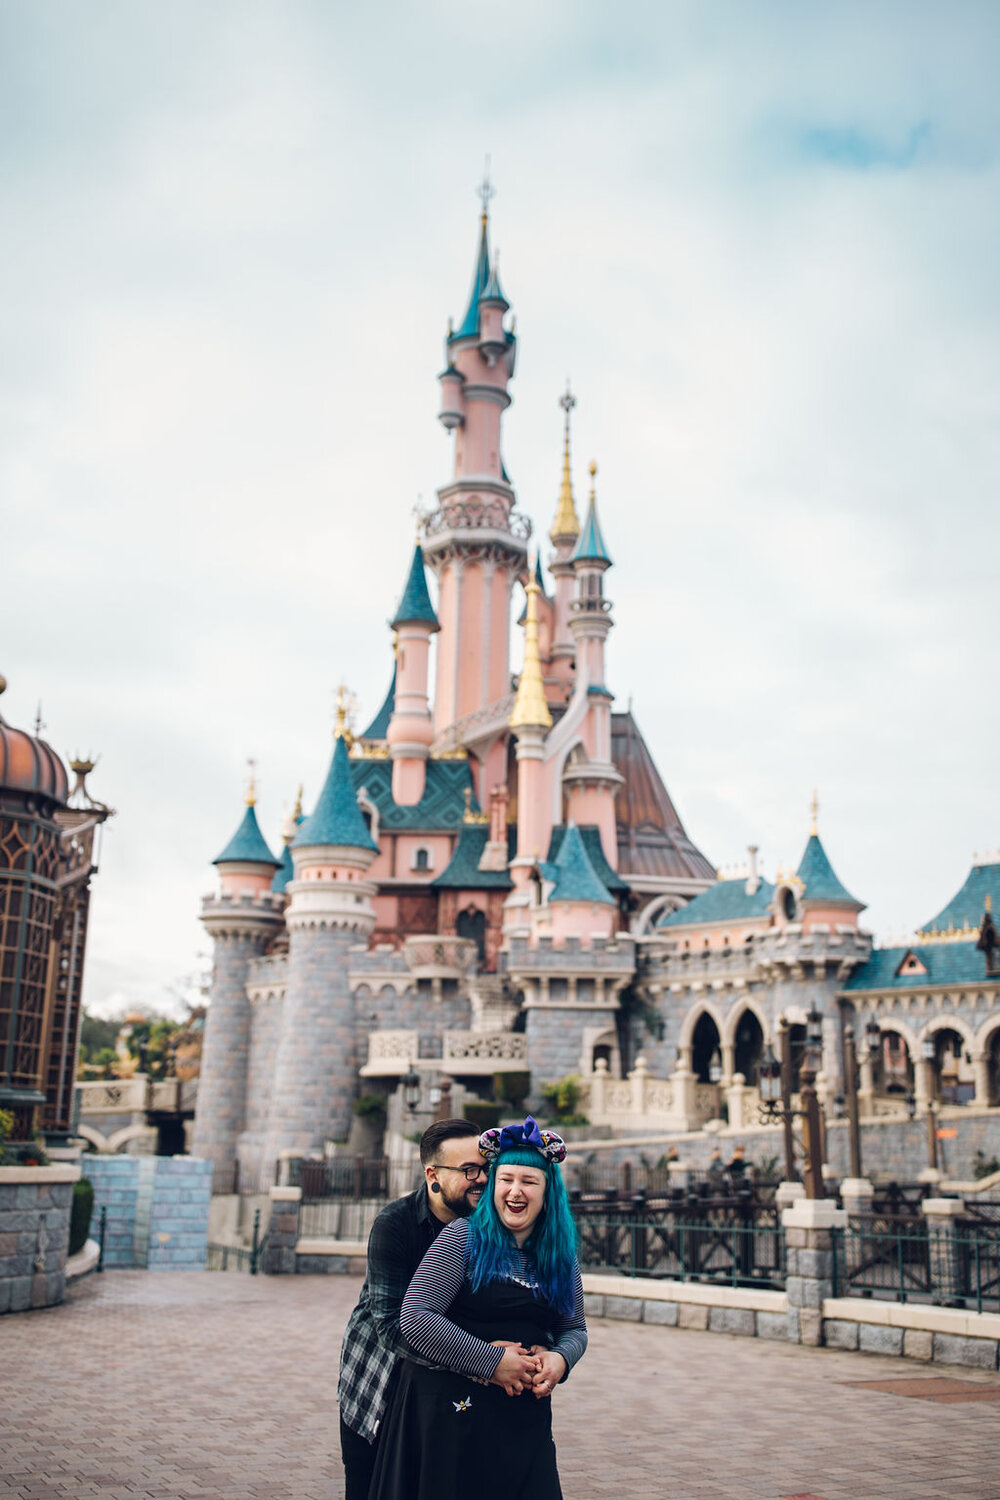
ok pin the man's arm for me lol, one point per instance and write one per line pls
(391, 1264)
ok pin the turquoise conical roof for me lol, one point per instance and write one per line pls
(817, 876)
(980, 892)
(493, 291)
(379, 726)
(577, 880)
(284, 873)
(590, 546)
(336, 818)
(469, 326)
(415, 606)
(247, 845)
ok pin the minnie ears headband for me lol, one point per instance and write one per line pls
(551, 1146)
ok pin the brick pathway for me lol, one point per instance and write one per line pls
(200, 1386)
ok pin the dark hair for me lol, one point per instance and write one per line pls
(443, 1130)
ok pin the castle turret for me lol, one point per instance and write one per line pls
(475, 542)
(530, 721)
(590, 783)
(410, 731)
(329, 912)
(242, 921)
(563, 535)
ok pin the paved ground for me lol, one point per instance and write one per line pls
(201, 1386)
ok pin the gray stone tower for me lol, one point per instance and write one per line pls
(242, 920)
(329, 912)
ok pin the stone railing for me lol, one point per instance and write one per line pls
(434, 956)
(676, 1103)
(390, 1054)
(472, 726)
(112, 1096)
(468, 1052)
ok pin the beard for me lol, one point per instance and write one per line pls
(462, 1204)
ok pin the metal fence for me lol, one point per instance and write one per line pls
(955, 1265)
(661, 1245)
(238, 1257)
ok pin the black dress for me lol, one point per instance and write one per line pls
(448, 1435)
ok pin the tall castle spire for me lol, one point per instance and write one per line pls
(475, 542)
(530, 706)
(566, 523)
(565, 530)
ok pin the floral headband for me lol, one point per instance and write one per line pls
(551, 1146)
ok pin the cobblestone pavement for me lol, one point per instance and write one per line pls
(200, 1386)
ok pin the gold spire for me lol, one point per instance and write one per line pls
(346, 704)
(566, 523)
(814, 811)
(530, 706)
(252, 784)
(297, 809)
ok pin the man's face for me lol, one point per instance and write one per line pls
(454, 1158)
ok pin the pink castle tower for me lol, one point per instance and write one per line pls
(563, 536)
(475, 542)
(410, 731)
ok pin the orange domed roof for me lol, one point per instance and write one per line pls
(28, 764)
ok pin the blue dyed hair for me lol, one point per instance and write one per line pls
(492, 1249)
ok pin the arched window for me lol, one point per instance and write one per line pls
(421, 859)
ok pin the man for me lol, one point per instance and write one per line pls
(454, 1177)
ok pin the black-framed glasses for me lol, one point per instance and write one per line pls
(470, 1172)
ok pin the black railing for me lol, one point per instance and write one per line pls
(346, 1177)
(903, 1260)
(728, 1244)
(239, 1257)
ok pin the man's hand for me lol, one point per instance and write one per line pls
(551, 1369)
(516, 1370)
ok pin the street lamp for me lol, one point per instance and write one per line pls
(774, 1080)
(411, 1088)
(715, 1067)
(814, 1028)
(769, 1081)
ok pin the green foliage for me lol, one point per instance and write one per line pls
(368, 1106)
(511, 1088)
(984, 1166)
(482, 1112)
(563, 1097)
(97, 1035)
(79, 1219)
(6, 1125)
(770, 1169)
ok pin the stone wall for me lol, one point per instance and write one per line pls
(157, 1210)
(35, 1205)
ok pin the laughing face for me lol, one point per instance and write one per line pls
(519, 1195)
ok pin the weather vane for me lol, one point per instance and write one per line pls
(486, 190)
(252, 782)
(567, 400)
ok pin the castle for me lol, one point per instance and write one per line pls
(497, 880)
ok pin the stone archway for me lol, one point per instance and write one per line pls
(748, 1045)
(705, 1042)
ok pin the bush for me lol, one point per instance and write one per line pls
(564, 1099)
(483, 1113)
(80, 1214)
(511, 1088)
(370, 1105)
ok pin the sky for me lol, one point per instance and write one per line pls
(761, 239)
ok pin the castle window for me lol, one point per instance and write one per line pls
(421, 859)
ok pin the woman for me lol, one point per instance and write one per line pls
(495, 1314)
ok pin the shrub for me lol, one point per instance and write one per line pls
(511, 1088)
(564, 1098)
(80, 1214)
(369, 1105)
(482, 1112)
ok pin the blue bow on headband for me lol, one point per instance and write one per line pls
(521, 1135)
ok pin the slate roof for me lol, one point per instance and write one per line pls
(469, 325)
(966, 908)
(652, 840)
(576, 878)
(591, 836)
(493, 291)
(726, 901)
(590, 546)
(817, 875)
(336, 819)
(379, 726)
(247, 845)
(415, 606)
(946, 963)
(463, 869)
(285, 871)
(442, 806)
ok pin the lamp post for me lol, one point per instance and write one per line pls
(411, 1089)
(785, 1053)
(774, 1079)
(928, 1053)
(851, 1100)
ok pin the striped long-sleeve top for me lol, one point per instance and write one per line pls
(426, 1327)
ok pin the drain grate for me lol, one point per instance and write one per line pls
(931, 1388)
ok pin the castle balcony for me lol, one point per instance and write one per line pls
(478, 1052)
(390, 1054)
(433, 956)
(482, 724)
(786, 952)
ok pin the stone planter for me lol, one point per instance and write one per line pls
(34, 1235)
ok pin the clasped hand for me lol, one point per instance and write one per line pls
(536, 1369)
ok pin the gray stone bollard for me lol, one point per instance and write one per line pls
(809, 1226)
(282, 1231)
